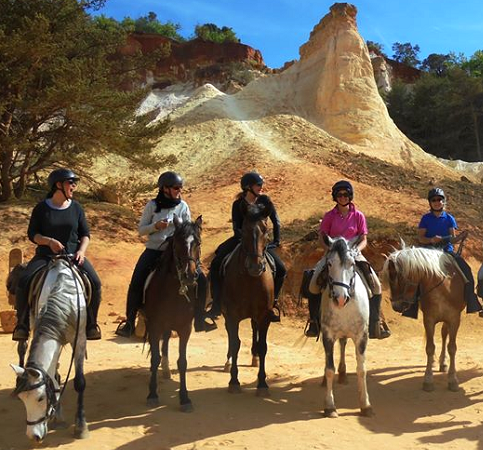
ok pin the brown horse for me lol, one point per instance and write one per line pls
(432, 275)
(170, 297)
(247, 290)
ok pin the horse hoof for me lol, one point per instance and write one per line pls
(81, 433)
(263, 392)
(453, 386)
(227, 368)
(428, 387)
(234, 389)
(152, 402)
(254, 361)
(367, 412)
(186, 408)
(331, 413)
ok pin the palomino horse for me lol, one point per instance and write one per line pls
(248, 290)
(344, 314)
(170, 297)
(61, 320)
(432, 275)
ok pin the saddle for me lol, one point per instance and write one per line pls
(227, 259)
(37, 283)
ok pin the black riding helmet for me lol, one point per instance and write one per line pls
(436, 192)
(342, 185)
(168, 179)
(250, 179)
(60, 175)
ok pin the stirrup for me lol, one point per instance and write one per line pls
(311, 328)
(20, 333)
(203, 325)
(125, 329)
(275, 313)
(93, 333)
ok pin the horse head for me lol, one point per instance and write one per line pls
(39, 394)
(187, 251)
(341, 268)
(255, 234)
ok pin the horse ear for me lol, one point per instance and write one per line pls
(199, 222)
(327, 240)
(19, 371)
(177, 220)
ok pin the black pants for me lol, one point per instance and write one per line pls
(145, 265)
(36, 264)
(472, 303)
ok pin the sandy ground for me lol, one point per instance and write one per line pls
(118, 370)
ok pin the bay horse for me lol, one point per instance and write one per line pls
(432, 275)
(247, 290)
(170, 296)
(61, 316)
(344, 314)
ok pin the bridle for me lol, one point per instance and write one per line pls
(181, 269)
(349, 287)
(254, 254)
(50, 389)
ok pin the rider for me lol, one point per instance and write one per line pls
(437, 229)
(251, 184)
(58, 224)
(344, 220)
(157, 223)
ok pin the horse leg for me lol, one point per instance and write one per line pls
(234, 345)
(58, 422)
(365, 404)
(255, 341)
(184, 401)
(428, 384)
(164, 356)
(443, 367)
(22, 351)
(342, 379)
(262, 386)
(153, 400)
(453, 384)
(81, 430)
(329, 409)
(227, 366)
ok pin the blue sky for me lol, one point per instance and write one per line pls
(279, 27)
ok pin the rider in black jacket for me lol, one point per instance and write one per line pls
(57, 224)
(251, 184)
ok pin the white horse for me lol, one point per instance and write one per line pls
(344, 314)
(61, 319)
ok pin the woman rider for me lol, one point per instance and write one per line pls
(437, 229)
(251, 184)
(157, 223)
(344, 220)
(58, 224)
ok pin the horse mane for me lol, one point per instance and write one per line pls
(417, 261)
(59, 315)
(186, 228)
(340, 247)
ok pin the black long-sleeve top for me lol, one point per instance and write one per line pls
(67, 226)
(237, 220)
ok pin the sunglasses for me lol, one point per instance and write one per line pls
(437, 200)
(72, 182)
(176, 188)
(342, 194)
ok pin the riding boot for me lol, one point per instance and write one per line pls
(472, 302)
(376, 330)
(200, 302)
(312, 327)
(22, 329)
(215, 310)
(126, 328)
(93, 332)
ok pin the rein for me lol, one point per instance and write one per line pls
(184, 288)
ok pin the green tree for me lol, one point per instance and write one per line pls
(63, 91)
(376, 47)
(151, 24)
(474, 66)
(211, 32)
(436, 63)
(406, 53)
